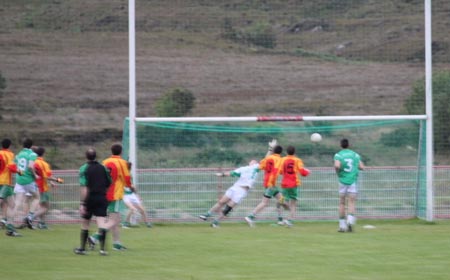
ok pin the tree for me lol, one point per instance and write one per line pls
(2, 87)
(415, 104)
(175, 103)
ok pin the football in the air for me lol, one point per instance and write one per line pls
(316, 137)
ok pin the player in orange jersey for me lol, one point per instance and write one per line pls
(120, 175)
(292, 168)
(44, 182)
(7, 168)
(271, 165)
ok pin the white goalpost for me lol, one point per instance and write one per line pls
(428, 117)
(429, 110)
(132, 84)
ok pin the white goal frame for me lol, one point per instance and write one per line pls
(428, 105)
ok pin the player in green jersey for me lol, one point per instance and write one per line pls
(25, 183)
(347, 164)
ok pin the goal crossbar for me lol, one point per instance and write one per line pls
(280, 118)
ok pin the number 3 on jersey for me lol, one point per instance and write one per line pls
(348, 165)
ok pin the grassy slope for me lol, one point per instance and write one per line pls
(66, 63)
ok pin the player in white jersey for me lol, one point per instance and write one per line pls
(135, 206)
(234, 195)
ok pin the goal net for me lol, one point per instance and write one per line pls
(177, 161)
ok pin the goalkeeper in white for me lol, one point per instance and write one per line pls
(247, 177)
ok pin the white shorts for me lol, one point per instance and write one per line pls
(348, 189)
(29, 188)
(236, 194)
(131, 199)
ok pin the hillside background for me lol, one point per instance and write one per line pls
(66, 62)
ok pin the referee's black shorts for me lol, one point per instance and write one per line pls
(96, 205)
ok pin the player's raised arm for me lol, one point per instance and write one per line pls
(223, 174)
(272, 145)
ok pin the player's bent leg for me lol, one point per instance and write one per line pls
(141, 210)
(18, 202)
(352, 203)
(102, 239)
(342, 220)
(250, 219)
(227, 210)
(216, 207)
(127, 222)
(263, 204)
(84, 234)
(144, 216)
(351, 219)
(342, 199)
(114, 218)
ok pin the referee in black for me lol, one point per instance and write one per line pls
(94, 182)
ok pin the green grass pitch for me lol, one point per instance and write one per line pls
(407, 249)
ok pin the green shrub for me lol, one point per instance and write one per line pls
(260, 34)
(175, 103)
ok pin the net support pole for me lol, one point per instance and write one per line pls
(429, 111)
(132, 87)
